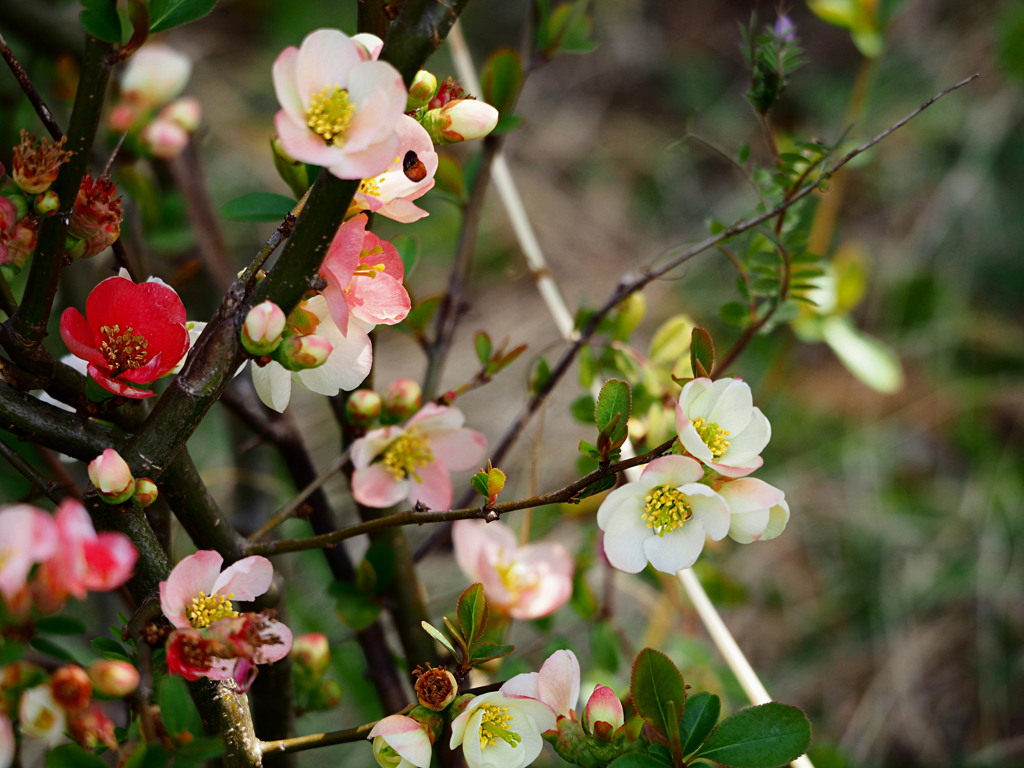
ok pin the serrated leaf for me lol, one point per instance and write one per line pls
(765, 736)
(501, 79)
(439, 636)
(699, 718)
(167, 14)
(486, 651)
(177, 709)
(101, 20)
(73, 756)
(472, 612)
(654, 683)
(702, 352)
(612, 410)
(479, 483)
(257, 206)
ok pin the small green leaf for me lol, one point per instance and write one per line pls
(765, 736)
(654, 683)
(357, 609)
(594, 488)
(439, 636)
(570, 30)
(448, 177)
(257, 206)
(60, 625)
(612, 411)
(479, 483)
(472, 612)
(699, 718)
(73, 756)
(148, 756)
(482, 345)
(582, 409)
(109, 648)
(10, 652)
(637, 760)
(101, 20)
(541, 376)
(501, 78)
(166, 14)
(177, 710)
(702, 352)
(486, 651)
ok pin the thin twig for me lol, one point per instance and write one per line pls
(45, 115)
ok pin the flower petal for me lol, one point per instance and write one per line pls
(246, 579)
(375, 486)
(194, 574)
(676, 550)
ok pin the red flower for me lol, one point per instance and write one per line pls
(130, 334)
(96, 220)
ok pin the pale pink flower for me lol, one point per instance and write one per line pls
(400, 742)
(27, 536)
(499, 731)
(526, 582)
(339, 110)
(7, 743)
(197, 593)
(759, 511)
(662, 517)
(364, 278)
(155, 74)
(409, 176)
(556, 685)
(719, 425)
(412, 461)
(84, 560)
(347, 365)
(41, 717)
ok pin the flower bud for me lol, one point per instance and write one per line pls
(123, 115)
(312, 651)
(450, 90)
(115, 679)
(460, 120)
(146, 492)
(603, 715)
(97, 215)
(112, 477)
(155, 75)
(71, 687)
(164, 139)
(300, 353)
(422, 90)
(21, 244)
(36, 162)
(46, 203)
(435, 687)
(363, 407)
(329, 694)
(186, 112)
(263, 328)
(91, 727)
(301, 321)
(403, 398)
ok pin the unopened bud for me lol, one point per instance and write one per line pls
(186, 112)
(164, 139)
(435, 687)
(112, 477)
(36, 163)
(46, 203)
(146, 492)
(422, 90)
(115, 679)
(91, 727)
(312, 651)
(403, 398)
(71, 687)
(301, 321)
(263, 328)
(300, 353)
(124, 115)
(460, 120)
(8, 215)
(21, 244)
(363, 407)
(155, 74)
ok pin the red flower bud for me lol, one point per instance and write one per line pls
(362, 407)
(97, 215)
(71, 687)
(116, 679)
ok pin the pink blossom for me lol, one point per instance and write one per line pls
(413, 461)
(758, 511)
(27, 536)
(364, 278)
(526, 582)
(409, 176)
(339, 110)
(7, 743)
(84, 560)
(198, 593)
(155, 75)
(557, 684)
(402, 737)
(603, 714)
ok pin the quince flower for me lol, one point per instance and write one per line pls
(719, 425)
(526, 582)
(41, 717)
(759, 510)
(27, 536)
(154, 75)
(400, 742)
(662, 517)
(409, 176)
(7, 742)
(338, 109)
(412, 461)
(131, 333)
(556, 685)
(498, 731)
(348, 363)
(197, 593)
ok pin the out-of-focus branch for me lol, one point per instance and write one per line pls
(30, 90)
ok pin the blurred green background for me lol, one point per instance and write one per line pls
(892, 609)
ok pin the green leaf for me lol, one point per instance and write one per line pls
(570, 29)
(612, 411)
(50, 648)
(479, 483)
(597, 487)
(501, 78)
(484, 348)
(699, 718)
(541, 376)
(702, 353)
(867, 358)
(472, 612)
(582, 409)
(73, 756)
(439, 636)
(148, 756)
(765, 736)
(10, 652)
(60, 625)
(200, 750)
(486, 651)
(357, 609)
(166, 14)
(735, 314)
(420, 315)
(654, 683)
(109, 648)
(177, 710)
(257, 206)
(101, 20)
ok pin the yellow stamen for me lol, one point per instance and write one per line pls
(713, 436)
(407, 453)
(207, 609)
(123, 351)
(666, 509)
(495, 726)
(329, 114)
